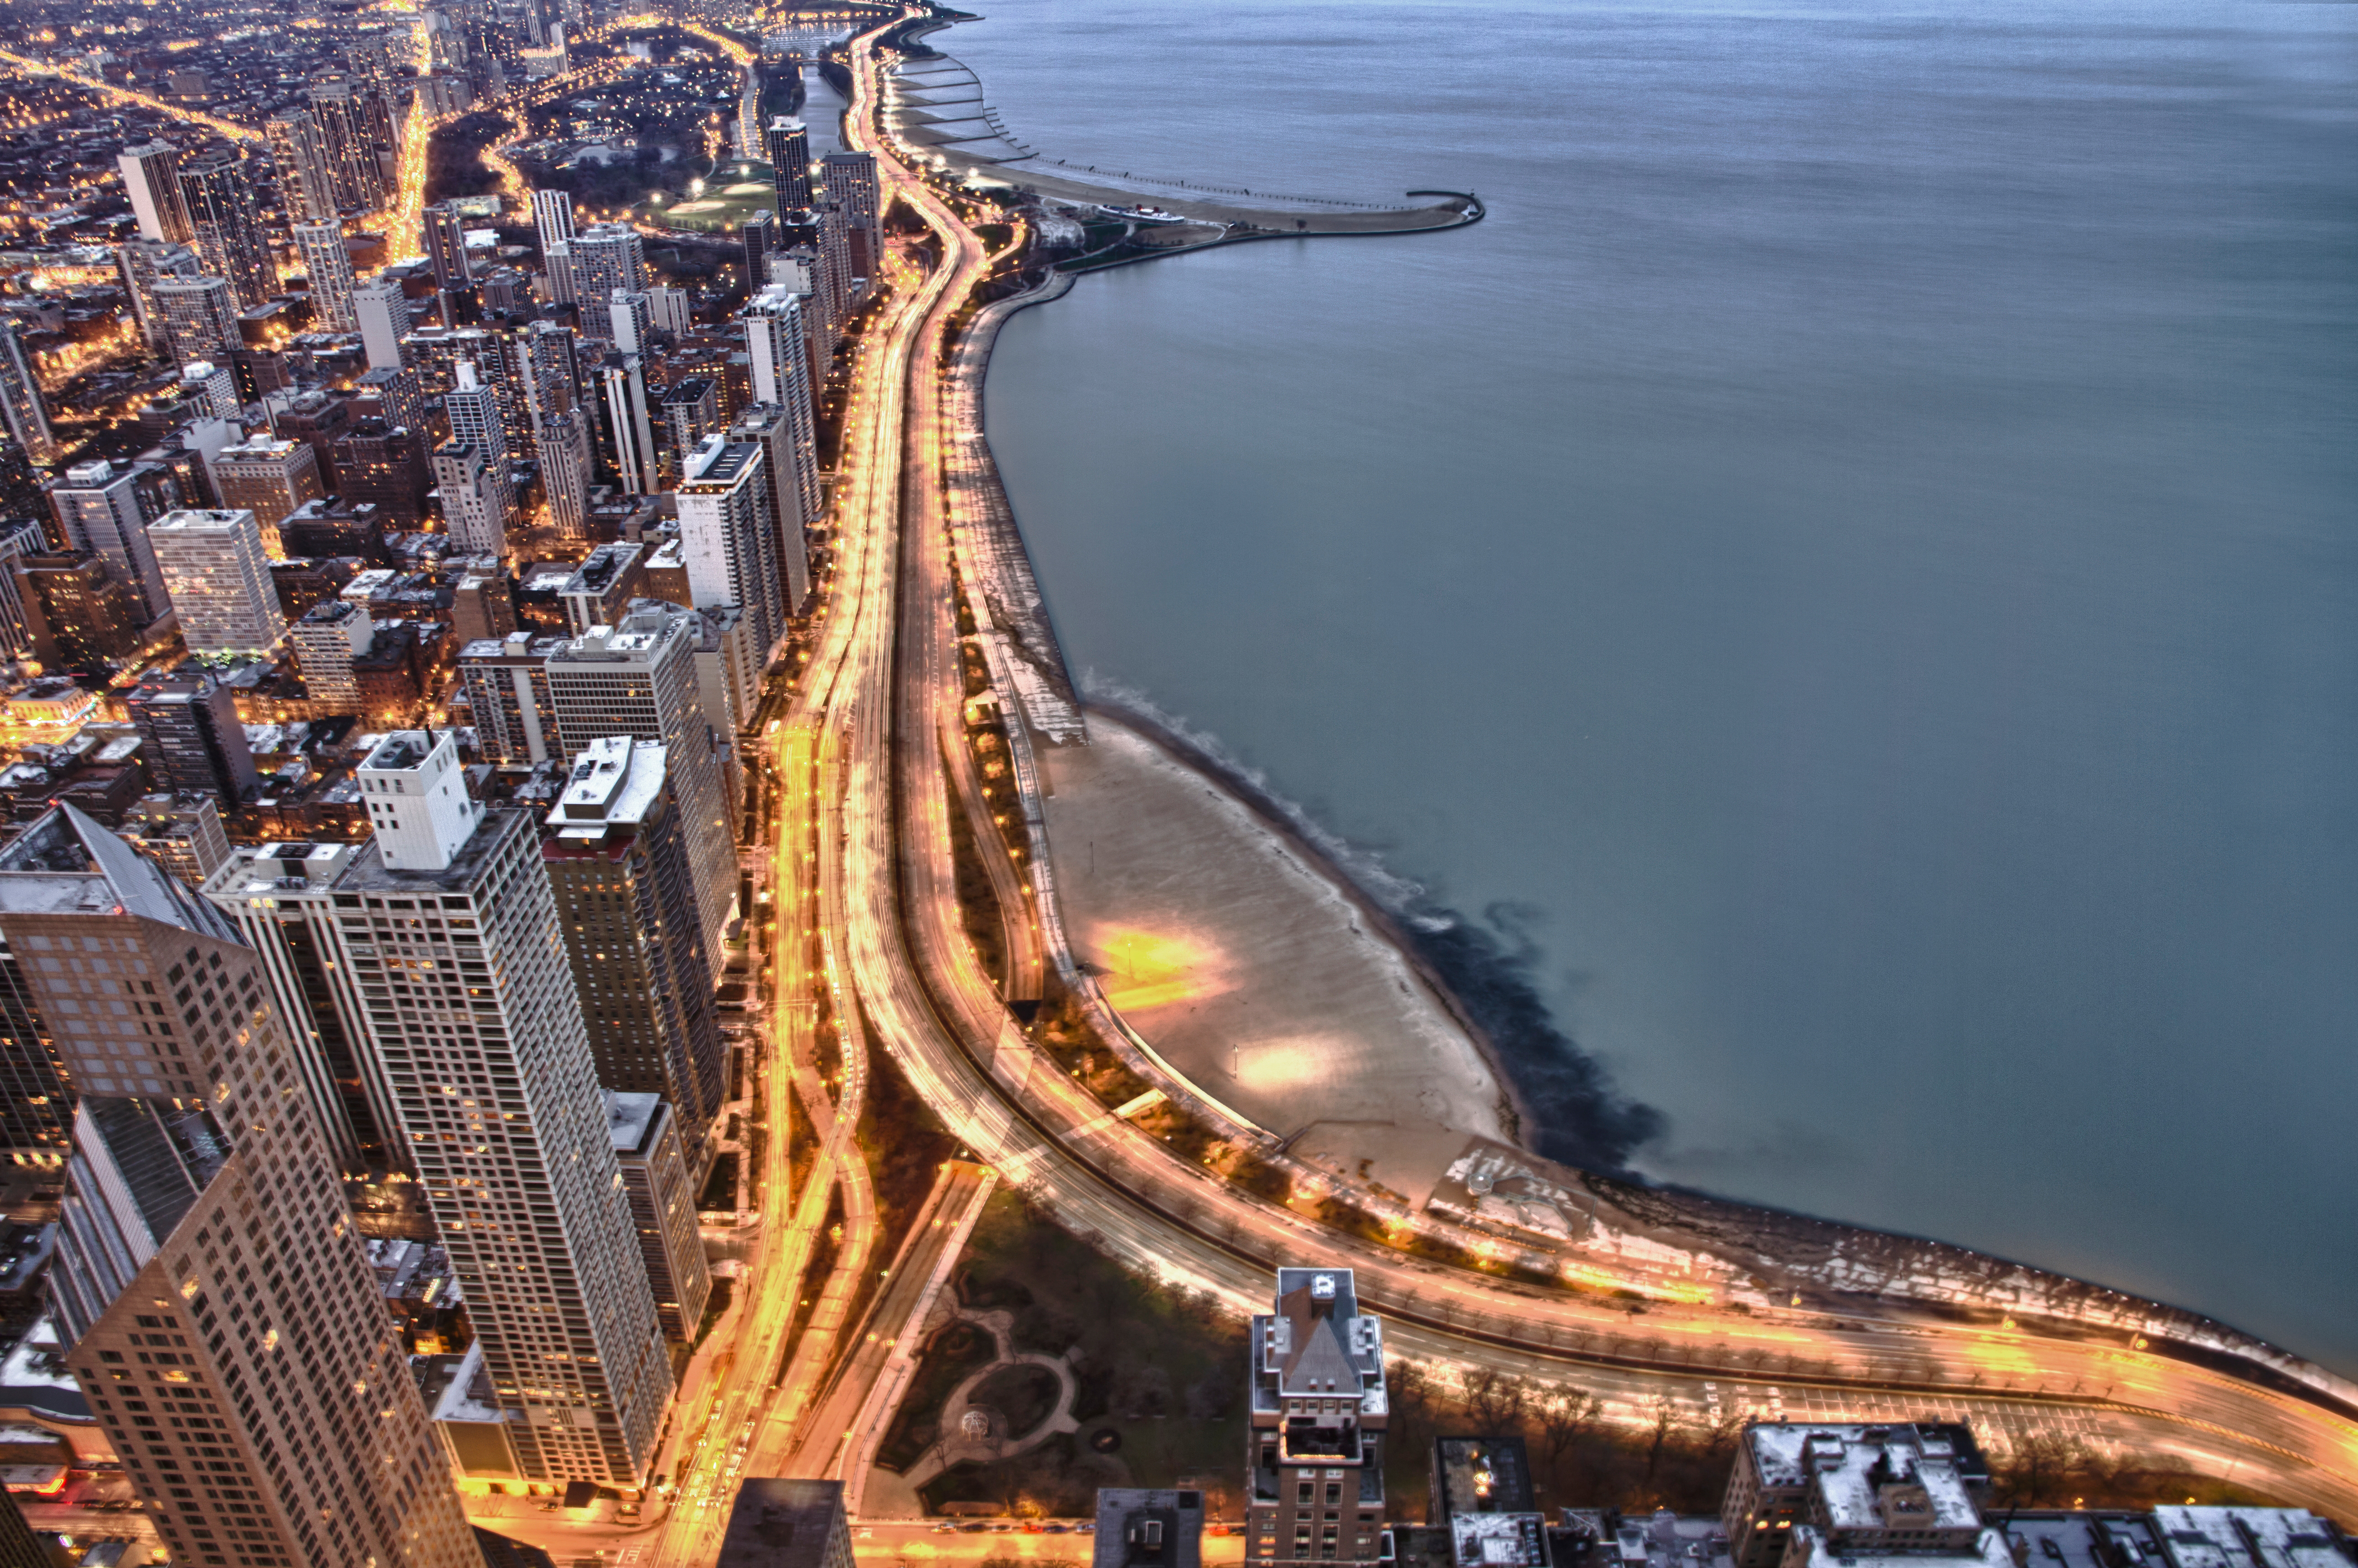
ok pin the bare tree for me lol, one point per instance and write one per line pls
(1498, 1401)
(1564, 1416)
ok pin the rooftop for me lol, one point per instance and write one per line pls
(781, 1524)
(631, 1120)
(368, 873)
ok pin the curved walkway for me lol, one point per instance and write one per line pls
(952, 1446)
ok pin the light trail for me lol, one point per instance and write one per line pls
(124, 95)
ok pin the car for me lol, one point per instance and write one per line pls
(1055, 1530)
(945, 1530)
(1085, 1529)
(1001, 1528)
(977, 1528)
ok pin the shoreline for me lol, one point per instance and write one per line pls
(1896, 1272)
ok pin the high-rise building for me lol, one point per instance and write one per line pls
(556, 264)
(633, 432)
(398, 394)
(104, 509)
(218, 577)
(777, 1523)
(330, 266)
(626, 902)
(638, 679)
(790, 161)
(25, 536)
(21, 407)
(79, 616)
(218, 191)
(759, 236)
(296, 940)
(633, 317)
(384, 466)
(851, 185)
(150, 176)
(446, 924)
(552, 218)
(835, 232)
(327, 637)
(506, 684)
(790, 474)
(268, 477)
(357, 126)
(477, 503)
(446, 245)
(659, 1175)
(202, 1213)
(608, 258)
(306, 186)
(382, 310)
(181, 833)
(200, 318)
(551, 365)
(473, 410)
(563, 446)
(145, 264)
(37, 1094)
(1320, 1409)
(730, 537)
(728, 665)
(674, 310)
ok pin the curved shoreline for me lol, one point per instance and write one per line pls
(1887, 1273)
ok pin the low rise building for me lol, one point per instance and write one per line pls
(1147, 1527)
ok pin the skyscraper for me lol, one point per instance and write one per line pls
(552, 218)
(759, 236)
(296, 940)
(446, 924)
(790, 159)
(200, 318)
(149, 175)
(326, 640)
(557, 261)
(729, 535)
(330, 266)
(36, 1095)
(660, 1173)
(218, 191)
(1320, 1407)
(607, 257)
(281, 1428)
(477, 503)
(219, 580)
(778, 347)
(790, 472)
(145, 264)
(629, 425)
(357, 128)
(851, 185)
(563, 446)
(473, 410)
(21, 407)
(446, 245)
(306, 186)
(103, 510)
(626, 902)
(382, 310)
(638, 679)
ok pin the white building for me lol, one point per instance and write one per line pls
(728, 536)
(325, 641)
(100, 508)
(477, 505)
(218, 580)
(383, 312)
(330, 266)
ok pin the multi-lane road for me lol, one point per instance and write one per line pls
(897, 686)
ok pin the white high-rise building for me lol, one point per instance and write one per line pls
(145, 264)
(103, 509)
(552, 218)
(606, 258)
(213, 387)
(461, 996)
(638, 679)
(329, 265)
(627, 416)
(383, 312)
(729, 538)
(790, 472)
(326, 640)
(149, 175)
(477, 504)
(473, 410)
(218, 578)
(632, 313)
(200, 318)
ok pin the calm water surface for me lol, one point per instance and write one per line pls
(1855, 559)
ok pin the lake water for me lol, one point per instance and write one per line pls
(1852, 567)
